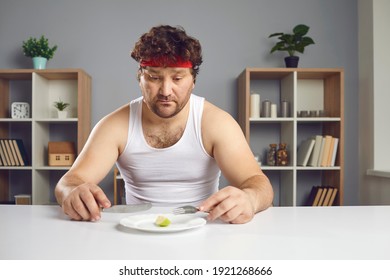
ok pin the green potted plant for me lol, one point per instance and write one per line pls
(61, 106)
(291, 43)
(39, 51)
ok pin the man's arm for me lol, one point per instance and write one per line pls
(77, 191)
(250, 190)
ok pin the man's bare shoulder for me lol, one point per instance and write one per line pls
(118, 117)
(113, 127)
(218, 127)
(214, 115)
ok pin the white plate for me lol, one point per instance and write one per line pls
(178, 222)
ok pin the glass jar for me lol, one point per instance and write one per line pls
(271, 155)
(282, 155)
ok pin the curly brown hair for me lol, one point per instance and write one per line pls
(170, 42)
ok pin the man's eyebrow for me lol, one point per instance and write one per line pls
(151, 71)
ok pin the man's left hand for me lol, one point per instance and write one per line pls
(230, 204)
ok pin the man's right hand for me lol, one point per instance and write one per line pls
(84, 202)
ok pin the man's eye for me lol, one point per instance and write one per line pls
(177, 78)
(154, 78)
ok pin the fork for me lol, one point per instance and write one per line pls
(187, 209)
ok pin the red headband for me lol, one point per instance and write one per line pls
(165, 61)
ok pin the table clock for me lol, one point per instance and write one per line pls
(20, 110)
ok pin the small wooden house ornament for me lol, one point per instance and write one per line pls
(61, 153)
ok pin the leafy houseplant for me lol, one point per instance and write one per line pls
(38, 48)
(291, 43)
(61, 106)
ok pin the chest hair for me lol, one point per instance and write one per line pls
(163, 137)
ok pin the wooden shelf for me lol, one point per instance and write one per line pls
(304, 89)
(40, 88)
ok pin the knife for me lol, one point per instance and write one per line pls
(128, 208)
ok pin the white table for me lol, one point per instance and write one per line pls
(44, 232)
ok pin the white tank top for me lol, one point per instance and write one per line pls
(181, 174)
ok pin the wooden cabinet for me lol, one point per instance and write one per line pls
(303, 89)
(40, 89)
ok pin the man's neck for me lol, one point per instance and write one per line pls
(164, 132)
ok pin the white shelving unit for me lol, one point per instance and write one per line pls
(304, 89)
(40, 88)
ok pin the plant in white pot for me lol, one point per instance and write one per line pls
(61, 106)
(39, 51)
(291, 43)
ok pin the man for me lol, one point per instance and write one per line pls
(170, 145)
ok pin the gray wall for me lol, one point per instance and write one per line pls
(97, 35)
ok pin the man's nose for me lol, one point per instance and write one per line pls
(166, 87)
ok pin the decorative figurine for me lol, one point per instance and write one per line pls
(282, 155)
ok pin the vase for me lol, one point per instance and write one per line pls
(271, 155)
(39, 62)
(291, 61)
(62, 114)
(282, 155)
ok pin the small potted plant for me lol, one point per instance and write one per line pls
(39, 51)
(61, 106)
(291, 43)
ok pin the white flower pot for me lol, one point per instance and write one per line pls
(62, 114)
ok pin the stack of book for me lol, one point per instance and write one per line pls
(322, 196)
(318, 151)
(12, 153)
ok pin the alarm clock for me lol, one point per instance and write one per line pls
(20, 110)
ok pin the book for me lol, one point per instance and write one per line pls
(10, 155)
(6, 156)
(21, 151)
(17, 151)
(321, 152)
(318, 196)
(312, 196)
(313, 160)
(2, 156)
(304, 151)
(13, 153)
(325, 152)
(333, 197)
(334, 152)
(322, 198)
(330, 153)
(329, 193)
(14, 156)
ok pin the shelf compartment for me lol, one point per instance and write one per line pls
(309, 178)
(18, 178)
(265, 133)
(18, 130)
(321, 89)
(306, 130)
(47, 91)
(13, 91)
(45, 132)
